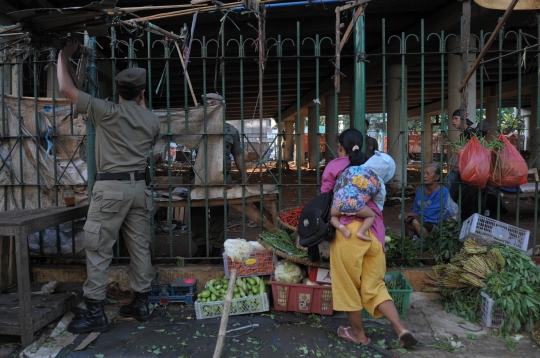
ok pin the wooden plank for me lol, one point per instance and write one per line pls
(215, 202)
(253, 214)
(45, 309)
(4, 263)
(34, 220)
(23, 282)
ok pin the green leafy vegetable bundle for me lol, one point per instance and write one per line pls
(509, 276)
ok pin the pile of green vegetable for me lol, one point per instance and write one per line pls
(282, 241)
(401, 252)
(507, 275)
(216, 289)
(443, 241)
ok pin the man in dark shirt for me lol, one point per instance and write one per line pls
(371, 143)
(468, 130)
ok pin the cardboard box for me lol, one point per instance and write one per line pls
(319, 275)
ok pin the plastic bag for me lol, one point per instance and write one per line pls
(474, 164)
(508, 168)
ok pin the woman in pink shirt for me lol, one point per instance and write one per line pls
(358, 266)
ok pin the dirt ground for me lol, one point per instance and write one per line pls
(293, 194)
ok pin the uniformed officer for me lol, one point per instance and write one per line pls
(125, 133)
(198, 220)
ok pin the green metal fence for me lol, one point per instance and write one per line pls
(422, 58)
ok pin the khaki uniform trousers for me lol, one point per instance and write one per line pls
(118, 205)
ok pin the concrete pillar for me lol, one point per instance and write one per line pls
(428, 139)
(331, 128)
(492, 116)
(313, 140)
(454, 82)
(535, 131)
(299, 146)
(394, 123)
(288, 141)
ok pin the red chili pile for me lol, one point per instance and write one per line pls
(292, 217)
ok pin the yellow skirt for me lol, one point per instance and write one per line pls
(358, 268)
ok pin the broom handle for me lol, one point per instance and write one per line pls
(225, 316)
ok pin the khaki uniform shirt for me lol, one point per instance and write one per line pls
(232, 144)
(124, 133)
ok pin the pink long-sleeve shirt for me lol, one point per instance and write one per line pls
(328, 181)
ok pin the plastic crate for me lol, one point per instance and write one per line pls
(244, 305)
(256, 263)
(302, 298)
(492, 316)
(400, 296)
(487, 230)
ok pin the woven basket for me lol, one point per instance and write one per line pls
(284, 224)
(325, 265)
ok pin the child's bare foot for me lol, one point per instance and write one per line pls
(346, 232)
(362, 236)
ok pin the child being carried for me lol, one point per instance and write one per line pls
(352, 191)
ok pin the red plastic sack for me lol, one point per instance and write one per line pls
(508, 168)
(474, 163)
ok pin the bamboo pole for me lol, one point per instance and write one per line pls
(225, 316)
(187, 74)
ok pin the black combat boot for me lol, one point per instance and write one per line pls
(94, 319)
(138, 308)
(200, 253)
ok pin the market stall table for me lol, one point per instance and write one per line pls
(252, 212)
(21, 223)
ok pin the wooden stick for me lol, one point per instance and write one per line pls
(150, 7)
(225, 316)
(12, 27)
(187, 74)
(349, 29)
(488, 43)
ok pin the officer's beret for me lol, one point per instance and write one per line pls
(132, 77)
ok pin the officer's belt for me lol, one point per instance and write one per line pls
(120, 176)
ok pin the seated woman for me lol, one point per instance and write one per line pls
(433, 210)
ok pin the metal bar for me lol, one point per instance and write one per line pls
(501, 23)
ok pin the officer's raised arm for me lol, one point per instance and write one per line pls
(65, 83)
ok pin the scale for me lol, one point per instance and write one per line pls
(180, 290)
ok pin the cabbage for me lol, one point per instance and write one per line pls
(288, 271)
(237, 249)
(256, 246)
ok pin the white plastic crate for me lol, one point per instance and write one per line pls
(487, 230)
(244, 305)
(492, 316)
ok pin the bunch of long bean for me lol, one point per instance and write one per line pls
(280, 240)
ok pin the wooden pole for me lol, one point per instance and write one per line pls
(225, 316)
(464, 57)
(488, 43)
(187, 74)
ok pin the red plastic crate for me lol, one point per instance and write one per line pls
(302, 298)
(257, 263)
